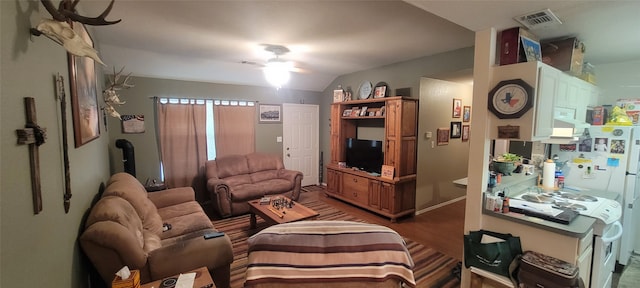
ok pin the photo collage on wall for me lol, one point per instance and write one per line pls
(456, 129)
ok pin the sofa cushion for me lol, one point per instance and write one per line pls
(231, 165)
(249, 192)
(263, 175)
(185, 224)
(180, 210)
(129, 188)
(117, 210)
(261, 162)
(238, 180)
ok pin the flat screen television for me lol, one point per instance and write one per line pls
(366, 155)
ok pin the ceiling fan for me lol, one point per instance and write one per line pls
(276, 61)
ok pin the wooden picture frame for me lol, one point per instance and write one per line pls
(456, 109)
(269, 113)
(456, 130)
(442, 136)
(387, 172)
(466, 113)
(466, 129)
(84, 93)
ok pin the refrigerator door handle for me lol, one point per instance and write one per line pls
(629, 173)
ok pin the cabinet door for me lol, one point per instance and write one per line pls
(374, 194)
(386, 197)
(334, 181)
(545, 93)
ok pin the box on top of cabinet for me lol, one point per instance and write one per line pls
(567, 55)
(632, 107)
(511, 48)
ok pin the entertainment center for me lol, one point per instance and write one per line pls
(396, 118)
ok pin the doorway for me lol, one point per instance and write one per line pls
(300, 147)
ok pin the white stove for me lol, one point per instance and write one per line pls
(606, 231)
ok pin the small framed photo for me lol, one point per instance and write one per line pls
(531, 49)
(363, 111)
(457, 108)
(355, 112)
(456, 130)
(346, 113)
(270, 113)
(465, 132)
(466, 114)
(387, 172)
(338, 96)
(380, 91)
(443, 136)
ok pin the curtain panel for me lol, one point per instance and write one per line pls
(234, 129)
(183, 144)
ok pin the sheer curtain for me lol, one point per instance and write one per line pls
(183, 143)
(234, 129)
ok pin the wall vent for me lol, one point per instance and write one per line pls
(540, 19)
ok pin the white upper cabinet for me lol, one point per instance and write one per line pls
(537, 122)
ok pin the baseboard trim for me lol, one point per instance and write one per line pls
(440, 205)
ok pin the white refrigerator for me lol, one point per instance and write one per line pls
(607, 159)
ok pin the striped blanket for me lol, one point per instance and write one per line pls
(327, 251)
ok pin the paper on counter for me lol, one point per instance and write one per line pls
(186, 280)
(535, 207)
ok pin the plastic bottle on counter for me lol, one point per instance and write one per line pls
(505, 205)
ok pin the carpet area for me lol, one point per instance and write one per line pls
(432, 268)
(630, 277)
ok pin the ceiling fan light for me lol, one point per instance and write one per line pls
(277, 73)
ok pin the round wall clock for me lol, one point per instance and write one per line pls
(365, 90)
(510, 99)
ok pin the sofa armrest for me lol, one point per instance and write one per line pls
(220, 193)
(172, 196)
(296, 178)
(190, 254)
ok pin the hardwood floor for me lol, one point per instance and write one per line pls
(441, 229)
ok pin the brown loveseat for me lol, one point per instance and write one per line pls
(129, 226)
(233, 181)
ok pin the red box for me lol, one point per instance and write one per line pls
(598, 116)
(511, 50)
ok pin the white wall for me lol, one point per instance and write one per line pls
(618, 81)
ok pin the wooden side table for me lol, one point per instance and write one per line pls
(203, 280)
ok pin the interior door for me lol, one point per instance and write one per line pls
(300, 140)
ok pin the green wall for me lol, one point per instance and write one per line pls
(139, 101)
(40, 250)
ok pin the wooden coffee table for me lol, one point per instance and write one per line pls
(285, 215)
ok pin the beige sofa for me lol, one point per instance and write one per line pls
(233, 181)
(129, 226)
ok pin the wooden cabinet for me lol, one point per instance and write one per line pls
(398, 127)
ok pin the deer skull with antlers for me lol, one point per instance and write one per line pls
(61, 32)
(110, 95)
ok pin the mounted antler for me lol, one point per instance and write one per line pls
(110, 95)
(67, 11)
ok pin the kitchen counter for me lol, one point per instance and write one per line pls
(517, 184)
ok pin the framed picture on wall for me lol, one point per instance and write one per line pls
(457, 108)
(443, 136)
(270, 113)
(466, 114)
(465, 132)
(456, 129)
(84, 103)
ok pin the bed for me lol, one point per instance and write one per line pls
(328, 253)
